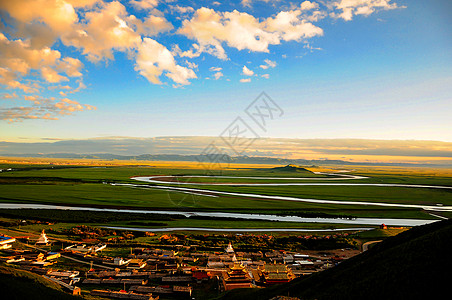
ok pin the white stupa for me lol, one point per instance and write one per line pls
(229, 249)
(43, 240)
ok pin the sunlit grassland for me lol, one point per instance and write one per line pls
(181, 223)
(196, 223)
(119, 196)
(382, 194)
(84, 186)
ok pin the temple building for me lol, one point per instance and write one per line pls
(43, 240)
(6, 241)
(229, 249)
(275, 273)
(236, 277)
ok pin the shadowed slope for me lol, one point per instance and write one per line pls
(415, 264)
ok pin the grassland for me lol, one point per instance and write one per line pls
(86, 184)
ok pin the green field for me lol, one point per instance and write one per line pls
(88, 186)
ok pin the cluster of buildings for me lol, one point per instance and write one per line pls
(148, 273)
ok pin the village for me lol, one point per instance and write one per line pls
(168, 272)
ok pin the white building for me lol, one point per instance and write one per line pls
(229, 249)
(43, 240)
(6, 241)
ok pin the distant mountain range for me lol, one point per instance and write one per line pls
(206, 158)
(260, 150)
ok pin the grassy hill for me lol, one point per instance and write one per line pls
(291, 168)
(415, 264)
(20, 284)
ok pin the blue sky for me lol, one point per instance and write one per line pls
(338, 69)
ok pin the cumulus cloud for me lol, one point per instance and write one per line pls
(154, 59)
(215, 69)
(9, 96)
(191, 65)
(18, 56)
(52, 76)
(33, 30)
(350, 8)
(196, 51)
(308, 5)
(248, 3)
(71, 66)
(238, 30)
(47, 109)
(291, 26)
(18, 59)
(60, 16)
(10, 80)
(144, 4)
(104, 30)
(152, 25)
(247, 72)
(181, 9)
(217, 75)
(268, 64)
(243, 31)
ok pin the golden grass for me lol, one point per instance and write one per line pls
(399, 170)
(101, 162)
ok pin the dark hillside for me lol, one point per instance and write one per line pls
(415, 264)
(17, 284)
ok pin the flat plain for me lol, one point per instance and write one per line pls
(104, 184)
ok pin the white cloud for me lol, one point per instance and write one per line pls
(267, 76)
(60, 16)
(144, 4)
(215, 69)
(238, 30)
(52, 76)
(9, 79)
(350, 8)
(181, 9)
(153, 59)
(211, 29)
(268, 64)
(9, 96)
(247, 3)
(18, 56)
(47, 109)
(191, 65)
(196, 51)
(105, 29)
(71, 66)
(98, 29)
(152, 25)
(308, 5)
(247, 72)
(291, 26)
(217, 75)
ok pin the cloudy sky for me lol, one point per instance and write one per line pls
(354, 150)
(80, 69)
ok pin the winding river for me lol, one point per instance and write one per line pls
(242, 216)
(167, 182)
(163, 182)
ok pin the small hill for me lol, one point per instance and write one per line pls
(415, 264)
(18, 284)
(290, 168)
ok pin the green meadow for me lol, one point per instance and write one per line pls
(89, 186)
